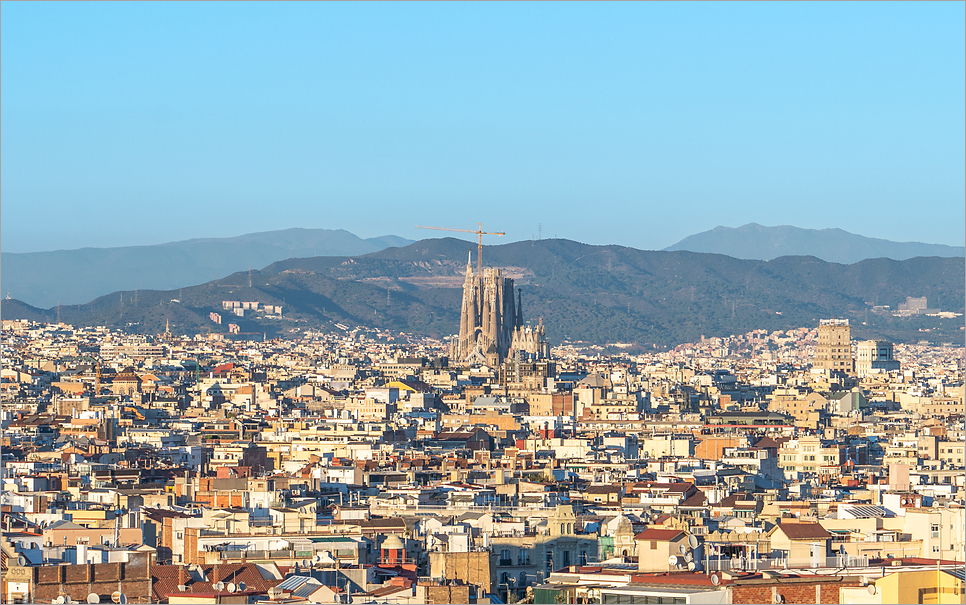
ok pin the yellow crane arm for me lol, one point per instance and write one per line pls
(479, 240)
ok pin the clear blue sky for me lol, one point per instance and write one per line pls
(630, 123)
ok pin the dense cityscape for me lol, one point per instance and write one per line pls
(365, 466)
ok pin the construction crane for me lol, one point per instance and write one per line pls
(479, 241)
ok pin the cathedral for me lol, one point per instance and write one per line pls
(491, 323)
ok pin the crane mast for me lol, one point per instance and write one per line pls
(479, 240)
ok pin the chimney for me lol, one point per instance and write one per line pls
(215, 575)
(182, 575)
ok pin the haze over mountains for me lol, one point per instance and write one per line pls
(757, 242)
(599, 294)
(65, 277)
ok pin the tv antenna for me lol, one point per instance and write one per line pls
(479, 240)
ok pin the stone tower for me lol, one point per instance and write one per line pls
(488, 317)
(834, 350)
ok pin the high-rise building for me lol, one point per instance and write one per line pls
(834, 351)
(874, 355)
(491, 324)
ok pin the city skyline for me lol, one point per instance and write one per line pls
(706, 345)
(147, 123)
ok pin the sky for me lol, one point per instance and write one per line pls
(608, 123)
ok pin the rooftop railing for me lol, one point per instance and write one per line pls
(766, 563)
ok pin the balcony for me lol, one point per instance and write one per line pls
(505, 562)
(765, 563)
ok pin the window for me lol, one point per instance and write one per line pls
(934, 528)
(505, 557)
(653, 544)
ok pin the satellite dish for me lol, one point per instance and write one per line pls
(182, 588)
(59, 600)
(123, 599)
(692, 566)
(682, 549)
(93, 598)
(68, 600)
(689, 557)
(305, 562)
(716, 579)
(231, 587)
(21, 561)
(872, 589)
(116, 596)
(241, 586)
(692, 541)
(672, 560)
(220, 586)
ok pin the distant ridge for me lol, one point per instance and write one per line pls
(758, 242)
(46, 279)
(596, 294)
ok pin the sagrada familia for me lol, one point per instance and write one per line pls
(491, 325)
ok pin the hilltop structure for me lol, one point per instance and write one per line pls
(491, 324)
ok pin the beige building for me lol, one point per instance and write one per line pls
(369, 409)
(801, 544)
(810, 455)
(940, 531)
(874, 355)
(524, 560)
(477, 568)
(655, 547)
(806, 409)
(834, 351)
(951, 452)
(661, 446)
(941, 407)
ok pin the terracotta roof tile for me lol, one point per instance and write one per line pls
(663, 535)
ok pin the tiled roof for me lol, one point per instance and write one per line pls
(602, 489)
(804, 531)
(165, 579)
(697, 499)
(664, 535)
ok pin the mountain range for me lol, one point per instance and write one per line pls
(64, 277)
(67, 277)
(598, 294)
(757, 242)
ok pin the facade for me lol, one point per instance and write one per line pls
(834, 350)
(491, 324)
(811, 455)
(525, 560)
(656, 547)
(874, 355)
(488, 317)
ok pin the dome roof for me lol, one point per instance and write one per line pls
(393, 543)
